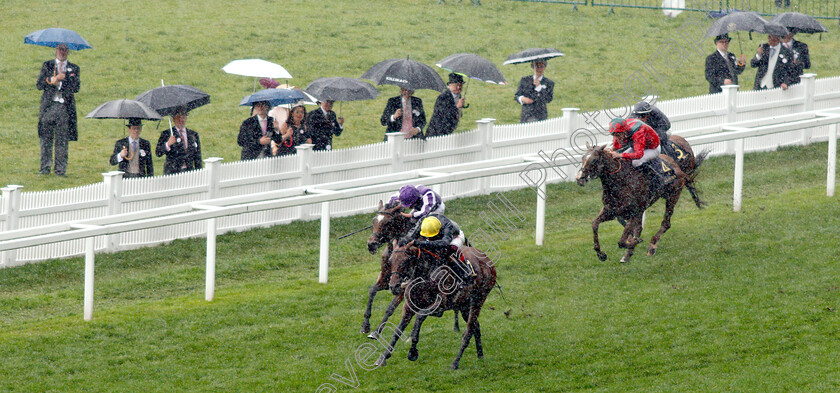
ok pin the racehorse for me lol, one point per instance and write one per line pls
(433, 289)
(626, 192)
(388, 226)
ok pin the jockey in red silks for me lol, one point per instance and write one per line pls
(645, 142)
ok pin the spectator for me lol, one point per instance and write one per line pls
(180, 144)
(59, 79)
(322, 124)
(279, 113)
(448, 108)
(775, 65)
(534, 93)
(801, 58)
(292, 133)
(404, 113)
(721, 67)
(133, 155)
(255, 133)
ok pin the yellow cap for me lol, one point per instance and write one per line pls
(430, 227)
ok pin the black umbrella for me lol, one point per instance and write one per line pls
(775, 29)
(737, 21)
(167, 99)
(473, 66)
(531, 54)
(342, 89)
(799, 23)
(123, 109)
(407, 73)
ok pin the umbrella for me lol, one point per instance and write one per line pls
(532, 54)
(799, 23)
(406, 73)
(273, 96)
(166, 99)
(737, 21)
(257, 68)
(342, 89)
(775, 29)
(53, 36)
(123, 109)
(473, 66)
(308, 99)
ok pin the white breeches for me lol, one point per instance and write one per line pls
(648, 155)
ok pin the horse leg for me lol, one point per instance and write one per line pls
(604, 215)
(634, 227)
(476, 301)
(670, 204)
(478, 348)
(376, 287)
(415, 337)
(388, 312)
(386, 353)
(456, 328)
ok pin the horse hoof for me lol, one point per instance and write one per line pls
(454, 366)
(651, 251)
(624, 260)
(373, 336)
(365, 329)
(481, 355)
(412, 354)
(602, 256)
(380, 362)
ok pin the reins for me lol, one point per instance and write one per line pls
(617, 170)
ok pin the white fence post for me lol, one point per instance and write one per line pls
(213, 164)
(113, 194)
(89, 264)
(324, 264)
(739, 175)
(730, 102)
(832, 159)
(304, 153)
(809, 85)
(570, 118)
(11, 208)
(485, 135)
(395, 150)
(541, 197)
(210, 271)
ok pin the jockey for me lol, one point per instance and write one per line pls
(442, 236)
(422, 200)
(657, 120)
(639, 144)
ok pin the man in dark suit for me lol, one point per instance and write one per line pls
(133, 155)
(447, 108)
(59, 79)
(534, 93)
(775, 65)
(404, 113)
(255, 133)
(721, 66)
(180, 145)
(322, 124)
(801, 57)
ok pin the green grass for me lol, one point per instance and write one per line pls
(184, 43)
(743, 302)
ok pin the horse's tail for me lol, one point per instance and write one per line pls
(692, 176)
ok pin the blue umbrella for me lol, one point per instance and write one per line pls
(274, 97)
(53, 36)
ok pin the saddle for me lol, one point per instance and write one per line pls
(659, 174)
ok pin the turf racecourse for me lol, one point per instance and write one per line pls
(188, 43)
(743, 302)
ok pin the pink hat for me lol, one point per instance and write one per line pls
(269, 83)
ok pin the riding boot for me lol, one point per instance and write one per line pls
(656, 178)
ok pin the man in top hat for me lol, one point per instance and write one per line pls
(448, 108)
(801, 58)
(133, 155)
(404, 113)
(180, 145)
(255, 133)
(775, 65)
(534, 93)
(59, 79)
(721, 66)
(322, 124)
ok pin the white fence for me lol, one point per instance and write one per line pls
(691, 117)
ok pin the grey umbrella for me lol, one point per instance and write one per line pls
(473, 66)
(738, 21)
(407, 73)
(799, 23)
(167, 99)
(532, 54)
(123, 109)
(342, 89)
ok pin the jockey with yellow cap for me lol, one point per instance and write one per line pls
(441, 236)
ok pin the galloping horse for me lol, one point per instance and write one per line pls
(388, 226)
(626, 192)
(427, 293)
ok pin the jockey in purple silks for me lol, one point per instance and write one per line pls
(421, 199)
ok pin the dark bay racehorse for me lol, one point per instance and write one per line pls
(432, 289)
(626, 192)
(388, 227)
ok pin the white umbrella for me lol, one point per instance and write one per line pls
(257, 68)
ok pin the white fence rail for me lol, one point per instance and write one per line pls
(137, 199)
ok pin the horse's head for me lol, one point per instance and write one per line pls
(593, 163)
(388, 224)
(400, 265)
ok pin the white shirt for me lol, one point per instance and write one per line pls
(130, 141)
